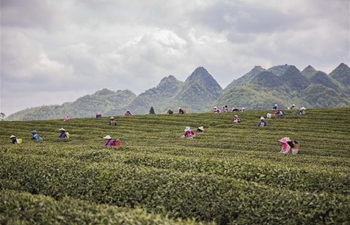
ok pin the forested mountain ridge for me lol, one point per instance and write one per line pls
(258, 89)
(286, 85)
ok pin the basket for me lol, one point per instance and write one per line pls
(19, 140)
(295, 149)
(117, 143)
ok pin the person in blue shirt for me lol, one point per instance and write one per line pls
(262, 122)
(36, 136)
(63, 133)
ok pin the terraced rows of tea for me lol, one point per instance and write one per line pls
(230, 174)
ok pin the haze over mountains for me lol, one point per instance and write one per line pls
(258, 89)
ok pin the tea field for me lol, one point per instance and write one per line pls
(230, 174)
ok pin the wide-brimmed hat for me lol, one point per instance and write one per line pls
(33, 131)
(107, 137)
(262, 118)
(235, 116)
(284, 140)
(201, 128)
(112, 118)
(215, 107)
(187, 128)
(12, 136)
(62, 129)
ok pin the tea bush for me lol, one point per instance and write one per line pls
(230, 174)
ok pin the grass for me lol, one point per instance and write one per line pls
(230, 174)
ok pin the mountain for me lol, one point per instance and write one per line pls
(198, 92)
(342, 75)
(279, 70)
(257, 89)
(242, 81)
(101, 101)
(286, 85)
(294, 79)
(308, 72)
(323, 97)
(324, 79)
(157, 97)
(265, 80)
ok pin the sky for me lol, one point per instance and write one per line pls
(54, 52)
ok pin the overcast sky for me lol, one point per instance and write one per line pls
(54, 51)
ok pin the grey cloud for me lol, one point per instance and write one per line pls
(42, 14)
(81, 46)
(245, 18)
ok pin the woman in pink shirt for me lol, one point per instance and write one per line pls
(109, 142)
(285, 146)
(188, 133)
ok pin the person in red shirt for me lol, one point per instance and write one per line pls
(188, 133)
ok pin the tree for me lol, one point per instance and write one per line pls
(2, 116)
(151, 111)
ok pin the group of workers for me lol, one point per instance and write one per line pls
(225, 109)
(288, 146)
(37, 137)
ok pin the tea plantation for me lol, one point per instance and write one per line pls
(230, 174)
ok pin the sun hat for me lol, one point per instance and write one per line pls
(284, 140)
(201, 128)
(33, 131)
(236, 116)
(262, 118)
(187, 128)
(107, 137)
(215, 107)
(62, 129)
(12, 136)
(112, 118)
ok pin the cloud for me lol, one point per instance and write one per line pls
(69, 48)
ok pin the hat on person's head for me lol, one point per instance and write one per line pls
(62, 129)
(262, 118)
(33, 131)
(12, 136)
(107, 137)
(187, 129)
(236, 116)
(284, 140)
(201, 128)
(215, 107)
(112, 118)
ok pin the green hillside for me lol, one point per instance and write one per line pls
(242, 81)
(101, 101)
(157, 97)
(200, 92)
(230, 174)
